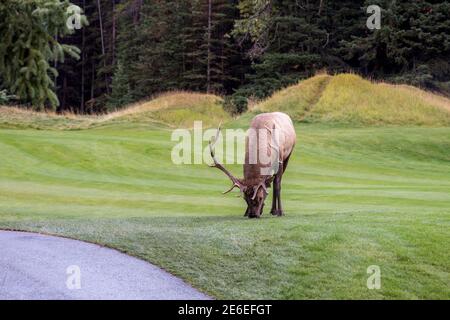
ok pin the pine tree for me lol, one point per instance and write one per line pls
(121, 92)
(411, 46)
(211, 49)
(30, 33)
(295, 40)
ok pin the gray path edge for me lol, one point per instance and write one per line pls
(41, 266)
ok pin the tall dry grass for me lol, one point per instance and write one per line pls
(344, 98)
(348, 98)
(172, 109)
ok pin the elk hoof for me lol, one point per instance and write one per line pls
(277, 213)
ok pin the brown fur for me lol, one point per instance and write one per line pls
(254, 185)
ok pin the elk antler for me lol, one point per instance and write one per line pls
(236, 182)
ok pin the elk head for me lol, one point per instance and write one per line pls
(253, 192)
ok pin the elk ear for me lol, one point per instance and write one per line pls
(269, 181)
(256, 188)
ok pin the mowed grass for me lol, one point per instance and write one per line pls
(354, 197)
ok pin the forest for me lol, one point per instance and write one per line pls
(110, 112)
(128, 50)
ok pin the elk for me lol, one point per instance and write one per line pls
(279, 142)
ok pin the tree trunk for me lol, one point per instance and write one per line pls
(103, 43)
(82, 62)
(93, 79)
(208, 67)
(101, 26)
(113, 44)
(64, 97)
(320, 7)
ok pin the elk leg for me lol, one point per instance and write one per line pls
(285, 162)
(273, 211)
(246, 212)
(279, 210)
(278, 207)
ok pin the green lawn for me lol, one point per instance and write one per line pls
(353, 197)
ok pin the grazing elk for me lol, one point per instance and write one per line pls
(273, 136)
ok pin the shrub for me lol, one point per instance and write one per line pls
(5, 98)
(235, 104)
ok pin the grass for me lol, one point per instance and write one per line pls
(179, 109)
(297, 100)
(354, 196)
(349, 99)
(174, 109)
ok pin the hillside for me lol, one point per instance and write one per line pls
(350, 99)
(179, 109)
(344, 99)
(176, 109)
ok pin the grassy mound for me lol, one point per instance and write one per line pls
(297, 100)
(344, 98)
(178, 109)
(347, 98)
(11, 117)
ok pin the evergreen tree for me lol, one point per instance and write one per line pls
(413, 44)
(296, 41)
(211, 50)
(133, 49)
(121, 91)
(30, 32)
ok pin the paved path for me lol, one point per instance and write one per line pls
(34, 266)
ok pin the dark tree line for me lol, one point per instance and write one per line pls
(133, 49)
